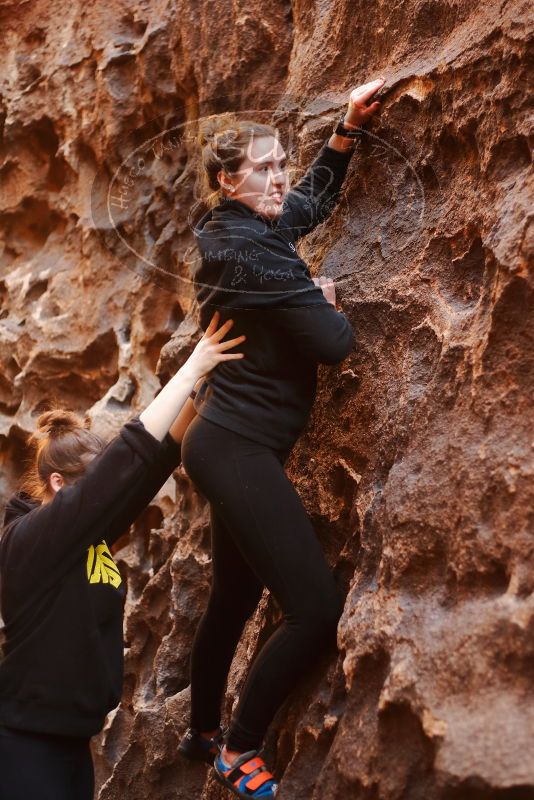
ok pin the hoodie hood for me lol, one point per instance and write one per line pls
(18, 505)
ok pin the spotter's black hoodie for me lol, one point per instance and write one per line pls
(250, 270)
(61, 593)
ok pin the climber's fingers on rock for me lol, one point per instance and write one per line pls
(363, 93)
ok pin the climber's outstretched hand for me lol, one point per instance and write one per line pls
(359, 112)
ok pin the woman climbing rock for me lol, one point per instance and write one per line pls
(250, 414)
(61, 592)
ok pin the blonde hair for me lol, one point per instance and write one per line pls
(223, 140)
(62, 442)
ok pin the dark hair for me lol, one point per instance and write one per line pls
(223, 140)
(62, 443)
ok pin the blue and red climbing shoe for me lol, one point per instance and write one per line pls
(196, 747)
(248, 777)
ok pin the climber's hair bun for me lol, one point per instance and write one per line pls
(218, 129)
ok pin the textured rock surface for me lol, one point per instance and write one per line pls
(417, 464)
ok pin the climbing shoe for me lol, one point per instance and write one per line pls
(196, 747)
(247, 777)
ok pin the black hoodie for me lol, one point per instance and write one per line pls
(61, 593)
(250, 270)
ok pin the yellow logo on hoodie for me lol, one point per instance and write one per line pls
(100, 566)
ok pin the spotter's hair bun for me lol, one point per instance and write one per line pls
(58, 422)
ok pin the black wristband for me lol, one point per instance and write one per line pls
(348, 133)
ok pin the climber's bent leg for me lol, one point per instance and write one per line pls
(265, 517)
(234, 595)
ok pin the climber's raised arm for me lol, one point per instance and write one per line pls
(313, 198)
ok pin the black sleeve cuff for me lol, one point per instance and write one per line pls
(173, 450)
(146, 445)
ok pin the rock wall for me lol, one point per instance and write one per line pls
(416, 467)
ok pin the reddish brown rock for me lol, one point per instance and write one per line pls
(416, 467)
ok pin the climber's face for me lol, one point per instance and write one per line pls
(261, 181)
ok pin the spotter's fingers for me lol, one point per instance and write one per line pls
(230, 356)
(231, 343)
(223, 330)
(214, 321)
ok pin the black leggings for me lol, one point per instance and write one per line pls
(261, 536)
(37, 766)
